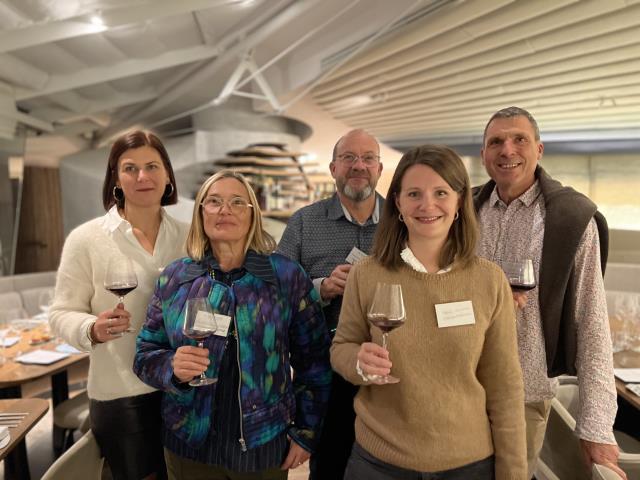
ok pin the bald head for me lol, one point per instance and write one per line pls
(359, 136)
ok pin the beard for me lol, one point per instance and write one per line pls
(352, 193)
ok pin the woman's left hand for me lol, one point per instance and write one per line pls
(296, 457)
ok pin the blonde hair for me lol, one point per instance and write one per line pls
(257, 238)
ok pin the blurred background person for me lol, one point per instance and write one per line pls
(456, 408)
(255, 422)
(124, 412)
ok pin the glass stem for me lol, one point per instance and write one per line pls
(384, 340)
(120, 299)
(201, 345)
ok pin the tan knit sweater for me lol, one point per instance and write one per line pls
(460, 398)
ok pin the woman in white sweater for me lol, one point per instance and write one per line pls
(124, 412)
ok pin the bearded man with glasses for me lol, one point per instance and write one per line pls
(326, 238)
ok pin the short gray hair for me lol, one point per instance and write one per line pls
(511, 112)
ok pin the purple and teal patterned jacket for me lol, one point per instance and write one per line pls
(279, 324)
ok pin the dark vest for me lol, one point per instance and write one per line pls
(567, 215)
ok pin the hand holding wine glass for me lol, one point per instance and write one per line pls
(120, 279)
(387, 313)
(199, 323)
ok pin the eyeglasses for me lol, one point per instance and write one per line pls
(369, 159)
(237, 205)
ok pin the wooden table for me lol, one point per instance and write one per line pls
(14, 374)
(16, 465)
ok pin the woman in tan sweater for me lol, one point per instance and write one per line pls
(458, 408)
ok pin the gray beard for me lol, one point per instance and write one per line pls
(357, 195)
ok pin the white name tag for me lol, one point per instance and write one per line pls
(455, 313)
(354, 255)
(204, 322)
(223, 322)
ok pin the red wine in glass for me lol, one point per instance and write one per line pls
(120, 279)
(199, 323)
(387, 313)
(520, 274)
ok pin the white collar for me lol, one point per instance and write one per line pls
(375, 215)
(112, 220)
(411, 260)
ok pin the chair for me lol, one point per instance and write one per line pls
(82, 460)
(600, 472)
(71, 415)
(561, 450)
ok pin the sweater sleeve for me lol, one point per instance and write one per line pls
(70, 314)
(352, 331)
(501, 376)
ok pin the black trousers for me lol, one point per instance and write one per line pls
(128, 432)
(336, 440)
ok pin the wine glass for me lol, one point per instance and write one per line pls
(520, 274)
(199, 323)
(45, 299)
(387, 313)
(120, 279)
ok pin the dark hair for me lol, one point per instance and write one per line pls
(511, 112)
(392, 235)
(127, 141)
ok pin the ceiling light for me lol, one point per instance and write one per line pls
(97, 20)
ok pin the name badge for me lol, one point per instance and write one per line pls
(223, 322)
(355, 255)
(204, 322)
(454, 314)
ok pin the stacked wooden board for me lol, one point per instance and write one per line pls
(277, 176)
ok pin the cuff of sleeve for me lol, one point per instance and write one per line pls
(359, 371)
(596, 435)
(183, 387)
(85, 340)
(317, 282)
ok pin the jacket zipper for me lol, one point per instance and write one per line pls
(243, 444)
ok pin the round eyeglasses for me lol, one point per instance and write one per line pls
(369, 159)
(237, 205)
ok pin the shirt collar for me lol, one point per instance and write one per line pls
(256, 264)
(527, 198)
(112, 220)
(411, 260)
(337, 210)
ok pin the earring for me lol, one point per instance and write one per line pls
(170, 192)
(118, 196)
(455, 217)
(400, 217)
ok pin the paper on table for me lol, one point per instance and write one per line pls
(9, 341)
(41, 357)
(66, 348)
(628, 375)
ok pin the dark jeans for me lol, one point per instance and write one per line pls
(362, 465)
(336, 440)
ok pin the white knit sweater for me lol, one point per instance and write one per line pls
(80, 295)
